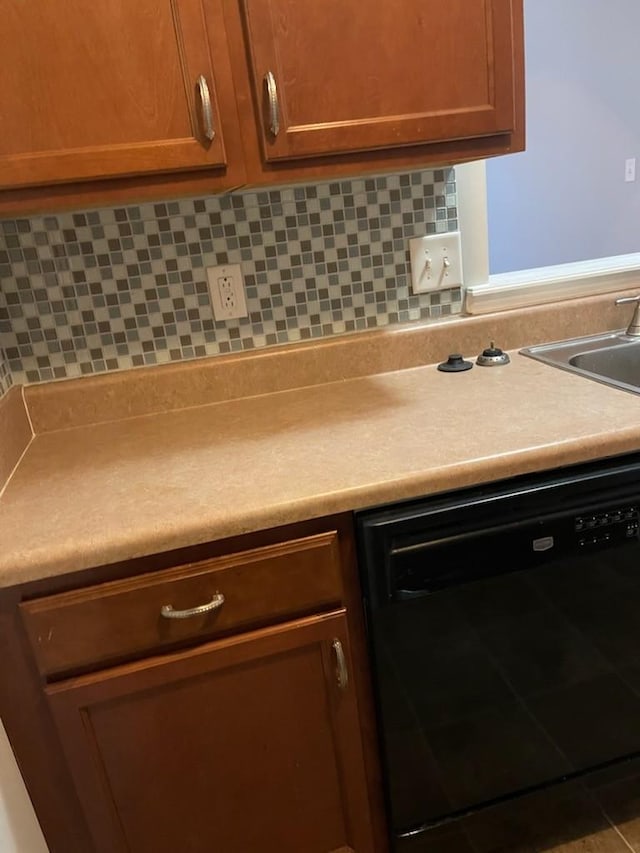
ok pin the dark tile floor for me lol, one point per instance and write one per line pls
(599, 815)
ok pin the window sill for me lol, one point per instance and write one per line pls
(553, 284)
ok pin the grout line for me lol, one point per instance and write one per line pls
(28, 413)
(615, 827)
(15, 468)
(22, 455)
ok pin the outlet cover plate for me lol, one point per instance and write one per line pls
(226, 289)
(429, 270)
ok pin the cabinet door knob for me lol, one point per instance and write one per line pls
(215, 604)
(274, 105)
(342, 674)
(207, 111)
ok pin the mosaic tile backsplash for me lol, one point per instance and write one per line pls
(6, 379)
(123, 287)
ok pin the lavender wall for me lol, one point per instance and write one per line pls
(564, 199)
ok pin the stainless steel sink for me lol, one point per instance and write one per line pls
(612, 358)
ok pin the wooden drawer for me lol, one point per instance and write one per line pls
(110, 622)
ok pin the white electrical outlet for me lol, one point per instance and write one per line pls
(227, 292)
(436, 262)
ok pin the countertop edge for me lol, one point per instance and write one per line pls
(74, 556)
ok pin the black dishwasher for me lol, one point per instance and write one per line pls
(504, 629)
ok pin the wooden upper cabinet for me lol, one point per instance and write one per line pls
(95, 90)
(351, 76)
(100, 101)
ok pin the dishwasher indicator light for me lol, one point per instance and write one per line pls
(543, 544)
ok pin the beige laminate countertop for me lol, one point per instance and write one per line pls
(98, 494)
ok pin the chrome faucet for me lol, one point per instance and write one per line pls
(634, 326)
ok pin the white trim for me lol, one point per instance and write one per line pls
(485, 293)
(471, 190)
(552, 284)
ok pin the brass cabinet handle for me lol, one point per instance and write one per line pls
(215, 604)
(274, 106)
(207, 111)
(342, 674)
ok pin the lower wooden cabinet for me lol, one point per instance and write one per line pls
(244, 740)
(245, 744)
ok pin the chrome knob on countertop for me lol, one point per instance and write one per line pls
(492, 356)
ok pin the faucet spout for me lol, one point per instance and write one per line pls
(634, 326)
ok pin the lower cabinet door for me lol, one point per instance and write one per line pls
(250, 744)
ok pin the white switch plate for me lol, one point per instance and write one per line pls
(226, 289)
(436, 262)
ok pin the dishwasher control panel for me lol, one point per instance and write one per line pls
(614, 525)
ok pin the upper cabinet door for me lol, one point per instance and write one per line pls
(346, 75)
(93, 90)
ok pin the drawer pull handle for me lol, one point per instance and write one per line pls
(342, 674)
(215, 604)
(274, 105)
(207, 111)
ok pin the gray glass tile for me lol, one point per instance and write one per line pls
(317, 260)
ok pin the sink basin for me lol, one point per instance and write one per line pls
(612, 358)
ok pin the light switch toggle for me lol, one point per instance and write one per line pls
(436, 262)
